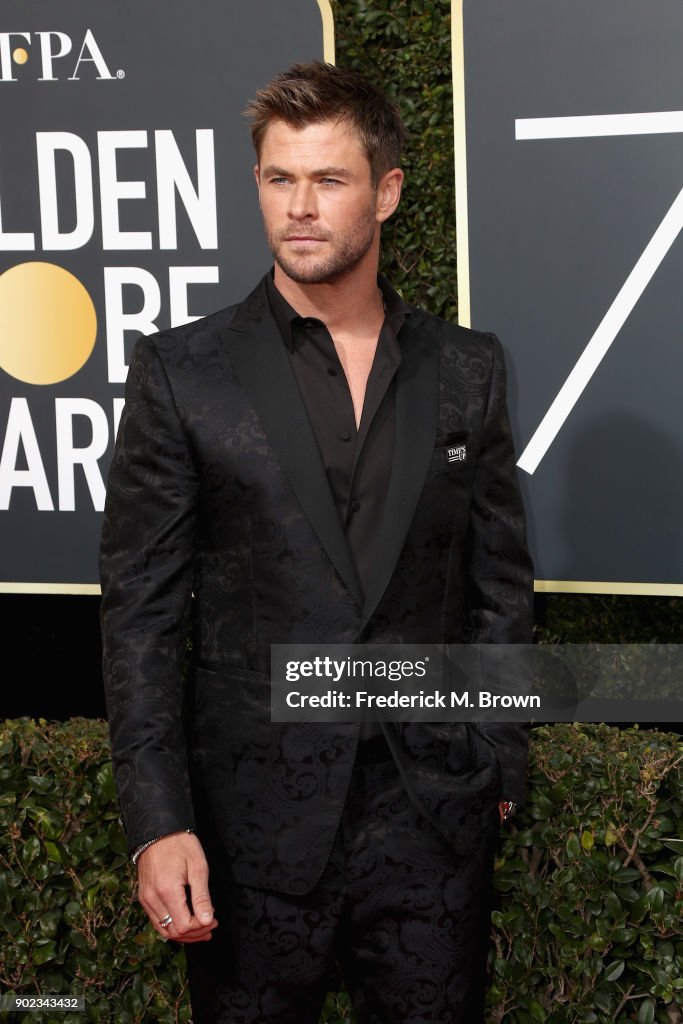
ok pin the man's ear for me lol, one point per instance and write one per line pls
(388, 194)
(258, 182)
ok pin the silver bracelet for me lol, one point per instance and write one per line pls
(151, 842)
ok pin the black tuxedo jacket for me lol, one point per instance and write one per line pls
(220, 524)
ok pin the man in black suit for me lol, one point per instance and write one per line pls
(282, 475)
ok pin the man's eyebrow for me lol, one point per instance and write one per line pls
(332, 172)
(272, 170)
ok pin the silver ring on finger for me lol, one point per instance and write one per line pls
(165, 921)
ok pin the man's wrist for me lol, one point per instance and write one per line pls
(150, 842)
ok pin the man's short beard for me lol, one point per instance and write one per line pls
(345, 256)
(333, 269)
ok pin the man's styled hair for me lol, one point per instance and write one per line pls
(314, 92)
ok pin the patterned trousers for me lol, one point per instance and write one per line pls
(398, 918)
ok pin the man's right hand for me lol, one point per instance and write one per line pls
(164, 869)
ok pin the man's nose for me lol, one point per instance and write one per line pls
(302, 202)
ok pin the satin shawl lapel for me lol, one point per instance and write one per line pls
(417, 409)
(259, 357)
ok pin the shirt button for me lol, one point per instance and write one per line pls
(355, 505)
(345, 436)
(331, 370)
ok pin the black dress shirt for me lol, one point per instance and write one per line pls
(357, 460)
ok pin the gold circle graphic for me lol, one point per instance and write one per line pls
(48, 323)
(20, 56)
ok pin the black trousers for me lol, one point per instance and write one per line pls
(397, 915)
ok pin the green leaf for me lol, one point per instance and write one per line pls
(673, 844)
(5, 897)
(54, 852)
(73, 912)
(44, 952)
(41, 783)
(626, 875)
(587, 841)
(639, 909)
(573, 847)
(613, 905)
(614, 971)
(646, 1013)
(537, 1011)
(624, 935)
(542, 808)
(603, 999)
(30, 850)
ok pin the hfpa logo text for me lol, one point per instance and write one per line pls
(51, 50)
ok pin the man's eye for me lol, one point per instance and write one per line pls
(279, 181)
(330, 181)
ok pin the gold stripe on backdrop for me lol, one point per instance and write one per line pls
(460, 156)
(607, 587)
(49, 588)
(328, 30)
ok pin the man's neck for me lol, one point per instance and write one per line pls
(347, 305)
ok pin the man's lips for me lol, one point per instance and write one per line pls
(304, 238)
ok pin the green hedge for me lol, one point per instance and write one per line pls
(590, 881)
(404, 46)
(70, 922)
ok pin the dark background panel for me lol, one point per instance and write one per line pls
(555, 228)
(52, 665)
(174, 66)
(52, 658)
